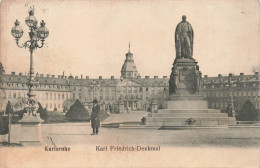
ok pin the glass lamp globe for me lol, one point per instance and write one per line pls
(17, 31)
(42, 31)
(31, 20)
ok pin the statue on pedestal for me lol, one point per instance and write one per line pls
(184, 39)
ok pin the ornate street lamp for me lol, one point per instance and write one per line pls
(36, 34)
(231, 110)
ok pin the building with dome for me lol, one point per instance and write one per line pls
(129, 69)
(131, 90)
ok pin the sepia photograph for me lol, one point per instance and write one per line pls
(129, 83)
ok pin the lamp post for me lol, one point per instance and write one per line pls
(31, 121)
(231, 110)
(257, 107)
(36, 34)
(117, 102)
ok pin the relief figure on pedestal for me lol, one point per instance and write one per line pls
(198, 79)
(184, 39)
(173, 83)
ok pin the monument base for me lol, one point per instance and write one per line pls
(31, 130)
(189, 113)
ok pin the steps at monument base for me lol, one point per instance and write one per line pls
(163, 111)
(193, 127)
(187, 115)
(137, 126)
(181, 121)
(187, 104)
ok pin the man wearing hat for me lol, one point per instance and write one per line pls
(95, 122)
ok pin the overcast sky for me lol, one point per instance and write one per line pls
(91, 37)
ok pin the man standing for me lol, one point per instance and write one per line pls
(95, 122)
(184, 39)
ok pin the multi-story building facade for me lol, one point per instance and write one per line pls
(217, 92)
(135, 92)
(50, 92)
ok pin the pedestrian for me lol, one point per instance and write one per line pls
(95, 122)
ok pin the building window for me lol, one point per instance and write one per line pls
(19, 94)
(54, 95)
(50, 105)
(63, 96)
(59, 105)
(46, 96)
(59, 96)
(50, 95)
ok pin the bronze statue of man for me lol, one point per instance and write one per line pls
(184, 39)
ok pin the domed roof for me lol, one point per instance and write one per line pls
(129, 65)
(129, 69)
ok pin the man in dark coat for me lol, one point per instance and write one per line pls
(95, 122)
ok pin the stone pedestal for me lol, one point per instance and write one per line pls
(185, 105)
(31, 130)
(154, 106)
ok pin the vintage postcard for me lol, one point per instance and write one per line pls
(129, 83)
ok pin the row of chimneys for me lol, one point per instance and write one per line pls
(76, 77)
(230, 75)
(112, 77)
(148, 77)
